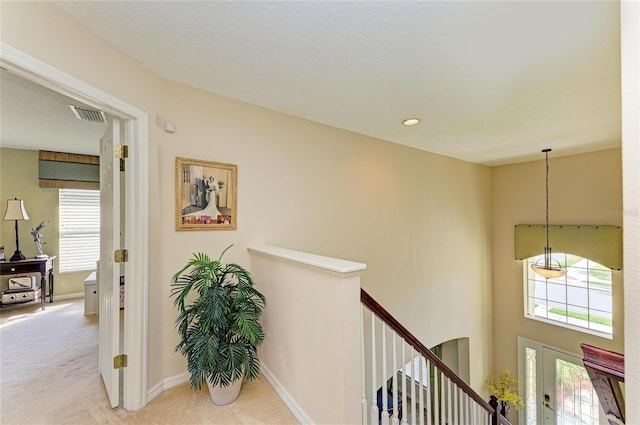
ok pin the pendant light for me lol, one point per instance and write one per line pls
(547, 270)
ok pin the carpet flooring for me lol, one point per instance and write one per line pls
(49, 375)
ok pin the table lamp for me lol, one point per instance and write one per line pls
(15, 211)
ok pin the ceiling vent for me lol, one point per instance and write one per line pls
(89, 114)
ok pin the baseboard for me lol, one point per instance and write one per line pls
(295, 408)
(167, 383)
(68, 296)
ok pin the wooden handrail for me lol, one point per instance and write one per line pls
(603, 360)
(606, 370)
(386, 317)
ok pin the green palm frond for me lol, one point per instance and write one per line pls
(219, 330)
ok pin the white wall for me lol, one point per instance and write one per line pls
(583, 189)
(421, 222)
(630, 12)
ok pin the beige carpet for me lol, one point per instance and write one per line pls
(49, 375)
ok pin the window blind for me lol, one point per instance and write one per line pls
(79, 229)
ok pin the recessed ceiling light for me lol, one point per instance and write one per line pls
(411, 121)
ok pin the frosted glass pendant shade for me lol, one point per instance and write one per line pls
(548, 273)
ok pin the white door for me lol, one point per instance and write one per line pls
(109, 270)
(569, 397)
(556, 388)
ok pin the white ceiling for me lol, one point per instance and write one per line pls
(35, 118)
(494, 82)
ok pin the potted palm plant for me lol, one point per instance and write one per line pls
(219, 328)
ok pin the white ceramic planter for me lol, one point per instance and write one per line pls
(221, 396)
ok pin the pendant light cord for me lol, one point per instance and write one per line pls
(547, 249)
(547, 193)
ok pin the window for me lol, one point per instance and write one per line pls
(79, 229)
(579, 300)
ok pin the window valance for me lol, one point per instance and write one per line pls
(602, 244)
(68, 170)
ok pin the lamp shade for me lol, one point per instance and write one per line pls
(15, 210)
(548, 272)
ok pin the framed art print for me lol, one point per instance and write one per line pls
(206, 195)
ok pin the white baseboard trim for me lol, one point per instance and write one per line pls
(68, 296)
(288, 400)
(295, 408)
(167, 383)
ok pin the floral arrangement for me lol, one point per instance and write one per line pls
(505, 388)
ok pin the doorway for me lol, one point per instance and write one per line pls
(555, 387)
(135, 123)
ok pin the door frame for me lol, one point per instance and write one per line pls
(136, 128)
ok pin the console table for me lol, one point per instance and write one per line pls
(44, 266)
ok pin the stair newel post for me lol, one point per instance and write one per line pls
(493, 402)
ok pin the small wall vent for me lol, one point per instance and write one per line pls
(89, 114)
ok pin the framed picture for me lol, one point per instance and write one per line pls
(206, 195)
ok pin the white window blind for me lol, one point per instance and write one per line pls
(79, 229)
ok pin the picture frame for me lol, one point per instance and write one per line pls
(206, 195)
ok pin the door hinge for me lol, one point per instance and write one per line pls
(121, 256)
(120, 361)
(122, 166)
(121, 151)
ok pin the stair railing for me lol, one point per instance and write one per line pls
(606, 370)
(429, 392)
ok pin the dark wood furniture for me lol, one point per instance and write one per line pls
(606, 370)
(44, 266)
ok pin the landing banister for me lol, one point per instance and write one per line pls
(383, 314)
(606, 371)
(604, 360)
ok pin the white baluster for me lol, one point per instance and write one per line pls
(454, 404)
(414, 410)
(449, 400)
(443, 406)
(404, 384)
(427, 384)
(374, 396)
(363, 385)
(464, 417)
(422, 380)
(472, 412)
(436, 395)
(384, 398)
(394, 382)
(469, 405)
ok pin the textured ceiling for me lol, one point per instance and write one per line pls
(493, 82)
